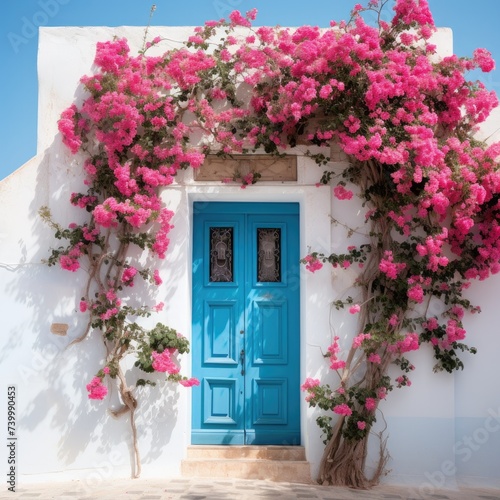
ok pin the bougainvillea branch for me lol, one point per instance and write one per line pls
(406, 120)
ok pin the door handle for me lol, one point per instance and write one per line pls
(242, 359)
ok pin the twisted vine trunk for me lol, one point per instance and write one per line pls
(344, 460)
(105, 264)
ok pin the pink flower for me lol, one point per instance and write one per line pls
(416, 293)
(69, 263)
(109, 314)
(457, 311)
(252, 14)
(393, 320)
(312, 263)
(431, 324)
(162, 362)
(342, 409)
(358, 340)
(390, 268)
(189, 382)
(106, 370)
(335, 363)
(403, 381)
(196, 39)
(238, 20)
(83, 306)
(112, 55)
(128, 276)
(374, 358)
(483, 59)
(342, 193)
(409, 343)
(370, 404)
(325, 91)
(361, 425)
(309, 383)
(355, 309)
(104, 216)
(96, 389)
(381, 392)
(67, 127)
(156, 277)
(159, 307)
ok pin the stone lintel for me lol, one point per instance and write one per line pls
(270, 168)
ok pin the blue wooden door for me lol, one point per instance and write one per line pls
(245, 346)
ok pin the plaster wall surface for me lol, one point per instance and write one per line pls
(444, 429)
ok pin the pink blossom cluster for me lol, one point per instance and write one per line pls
(96, 389)
(189, 382)
(128, 276)
(410, 342)
(416, 294)
(403, 381)
(70, 259)
(374, 358)
(310, 384)
(342, 193)
(390, 268)
(355, 309)
(105, 307)
(333, 350)
(371, 404)
(163, 362)
(312, 263)
(342, 409)
(432, 249)
(359, 339)
(454, 332)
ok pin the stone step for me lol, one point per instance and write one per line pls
(272, 463)
(295, 453)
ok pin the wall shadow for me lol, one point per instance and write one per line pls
(68, 430)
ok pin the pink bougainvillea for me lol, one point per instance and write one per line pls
(312, 263)
(189, 382)
(96, 390)
(342, 409)
(404, 117)
(333, 350)
(355, 309)
(163, 362)
(310, 383)
(342, 193)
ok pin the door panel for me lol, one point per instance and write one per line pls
(220, 401)
(270, 401)
(219, 340)
(270, 340)
(246, 323)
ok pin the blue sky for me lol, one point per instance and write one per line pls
(474, 24)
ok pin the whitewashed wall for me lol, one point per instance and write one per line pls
(442, 430)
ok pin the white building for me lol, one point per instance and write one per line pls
(444, 430)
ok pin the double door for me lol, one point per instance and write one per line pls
(245, 345)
